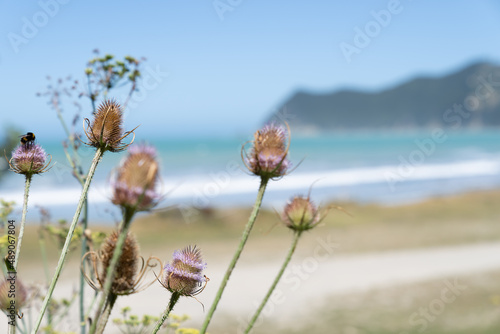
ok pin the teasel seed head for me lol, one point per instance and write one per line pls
(137, 179)
(300, 214)
(130, 273)
(268, 155)
(125, 275)
(29, 160)
(106, 131)
(11, 285)
(184, 274)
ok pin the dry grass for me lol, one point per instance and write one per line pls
(463, 219)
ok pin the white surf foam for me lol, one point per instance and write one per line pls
(226, 184)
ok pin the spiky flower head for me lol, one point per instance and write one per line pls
(13, 295)
(268, 155)
(300, 214)
(106, 131)
(130, 272)
(124, 280)
(183, 275)
(137, 179)
(29, 159)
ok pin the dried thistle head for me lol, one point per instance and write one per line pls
(268, 155)
(130, 270)
(12, 287)
(183, 275)
(29, 159)
(137, 179)
(300, 214)
(106, 131)
(127, 264)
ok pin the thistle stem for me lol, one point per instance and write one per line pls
(82, 280)
(244, 238)
(43, 252)
(76, 166)
(173, 300)
(11, 328)
(110, 273)
(89, 308)
(296, 237)
(103, 319)
(23, 219)
(65, 250)
(12, 325)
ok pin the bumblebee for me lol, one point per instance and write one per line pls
(28, 139)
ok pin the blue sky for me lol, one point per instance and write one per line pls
(223, 66)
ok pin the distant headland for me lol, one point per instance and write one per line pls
(468, 98)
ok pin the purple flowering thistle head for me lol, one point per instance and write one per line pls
(106, 131)
(268, 155)
(137, 179)
(300, 214)
(183, 275)
(29, 159)
(12, 283)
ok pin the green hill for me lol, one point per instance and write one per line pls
(464, 99)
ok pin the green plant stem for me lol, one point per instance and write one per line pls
(55, 104)
(82, 280)
(61, 316)
(110, 272)
(92, 99)
(23, 219)
(89, 308)
(244, 238)
(296, 237)
(65, 250)
(11, 329)
(43, 252)
(25, 327)
(30, 319)
(76, 166)
(173, 300)
(103, 319)
(76, 163)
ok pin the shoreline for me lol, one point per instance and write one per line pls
(213, 196)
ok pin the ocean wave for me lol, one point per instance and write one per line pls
(233, 183)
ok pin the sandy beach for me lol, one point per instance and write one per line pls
(337, 268)
(319, 277)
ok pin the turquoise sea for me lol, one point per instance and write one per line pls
(383, 167)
